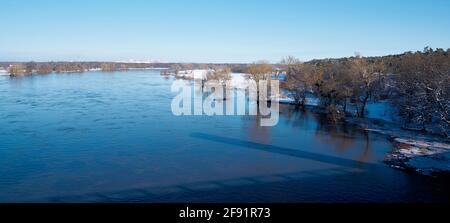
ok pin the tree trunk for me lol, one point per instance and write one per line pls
(224, 89)
(363, 107)
(203, 85)
(257, 97)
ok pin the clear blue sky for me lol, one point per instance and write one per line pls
(218, 30)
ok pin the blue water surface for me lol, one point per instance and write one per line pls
(111, 137)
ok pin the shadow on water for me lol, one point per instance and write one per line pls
(226, 189)
(283, 151)
(340, 137)
(204, 191)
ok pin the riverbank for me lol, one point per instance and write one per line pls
(425, 157)
(420, 152)
(412, 151)
(6, 73)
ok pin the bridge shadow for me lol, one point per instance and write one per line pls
(349, 163)
(186, 191)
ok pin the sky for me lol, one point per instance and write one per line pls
(218, 31)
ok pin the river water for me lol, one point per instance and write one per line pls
(111, 137)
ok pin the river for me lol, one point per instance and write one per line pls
(111, 137)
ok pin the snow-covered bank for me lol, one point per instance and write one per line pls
(420, 152)
(425, 157)
(148, 68)
(238, 80)
(193, 74)
(4, 73)
(284, 98)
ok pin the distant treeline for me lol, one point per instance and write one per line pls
(29, 68)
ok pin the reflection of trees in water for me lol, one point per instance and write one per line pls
(259, 133)
(297, 117)
(342, 137)
(256, 132)
(367, 148)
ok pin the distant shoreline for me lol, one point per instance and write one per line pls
(6, 73)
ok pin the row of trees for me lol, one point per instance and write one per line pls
(20, 69)
(219, 75)
(336, 84)
(28, 68)
(418, 84)
(69, 67)
(422, 91)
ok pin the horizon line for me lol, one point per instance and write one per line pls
(149, 61)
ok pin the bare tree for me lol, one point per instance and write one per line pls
(299, 79)
(30, 67)
(176, 69)
(220, 77)
(261, 70)
(17, 70)
(366, 76)
(44, 69)
(258, 71)
(108, 67)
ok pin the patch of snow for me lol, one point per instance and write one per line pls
(148, 68)
(426, 157)
(193, 74)
(238, 80)
(4, 72)
(286, 98)
(422, 143)
(312, 101)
